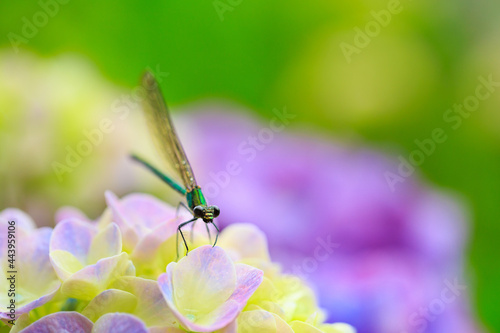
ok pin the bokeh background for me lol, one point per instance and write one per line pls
(65, 71)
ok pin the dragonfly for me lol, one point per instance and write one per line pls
(168, 145)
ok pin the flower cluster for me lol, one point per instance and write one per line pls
(121, 274)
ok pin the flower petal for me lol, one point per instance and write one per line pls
(23, 220)
(245, 240)
(258, 321)
(21, 323)
(107, 243)
(247, 281)
(36, 282)
(302, 327)
(154, 251)
(109, 301)
(231, 328)
(119, 323)
(151, 307)
(50, 293)
(65, 264)
(60, 322)
(137, 215)
(203, 280)
(94, 279)
(165, 330)
(73, 236)
(129, 235)
(146, 210)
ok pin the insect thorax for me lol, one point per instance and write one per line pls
(195, 198)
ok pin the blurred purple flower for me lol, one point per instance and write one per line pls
(378, 256)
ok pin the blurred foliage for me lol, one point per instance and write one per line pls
(266, 54)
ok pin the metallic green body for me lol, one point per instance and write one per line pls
(172, 183)
(195, 198)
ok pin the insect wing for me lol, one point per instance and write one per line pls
(163, 132)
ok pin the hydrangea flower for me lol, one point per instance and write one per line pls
(230, 288)
(87, 260)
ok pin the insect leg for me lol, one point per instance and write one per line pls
(208, 232)
(217, 235)
(181, 204)
(177, 238)
(192, 232)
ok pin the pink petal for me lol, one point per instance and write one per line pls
(147, 210)
(74, 236)
(23, 220)
(60, 322)
(119, 323)
(119, 216)
(148, 245)
(140, 212)
(249, 279)
(35, 250)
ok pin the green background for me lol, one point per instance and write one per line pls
(266, 54)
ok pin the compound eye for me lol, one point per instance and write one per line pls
(216, 211)
(198, 211)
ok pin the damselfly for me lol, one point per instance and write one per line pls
(169, 147)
